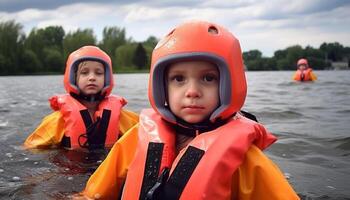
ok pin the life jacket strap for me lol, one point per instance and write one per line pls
(96, 132)
(182, 173)
(65, 142)
(155, 191)
(248, 115)
(152, 167)
(172, 188)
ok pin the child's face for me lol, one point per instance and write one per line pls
(90, 77)
(193, 90)
(302, 67)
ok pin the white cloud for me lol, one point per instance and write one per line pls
(137, 13)
(264, 25)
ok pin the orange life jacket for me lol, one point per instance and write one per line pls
(202, 170)
(83, 132)
(303, 75)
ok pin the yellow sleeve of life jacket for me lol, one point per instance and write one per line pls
(127, 120)
(106, 181)
(259, 178)
(294, 77)
(313, 76)
(49, 132)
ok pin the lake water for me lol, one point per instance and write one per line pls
(311, 120)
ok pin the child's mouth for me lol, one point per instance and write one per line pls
(91, 85)
(193, 109)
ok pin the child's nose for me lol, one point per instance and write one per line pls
(92, 76)
(193, 90)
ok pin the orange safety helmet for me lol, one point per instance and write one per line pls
(302, 61)
(84, 53)
(204, 41)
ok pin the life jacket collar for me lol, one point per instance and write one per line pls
(193, 129)
(90, 98)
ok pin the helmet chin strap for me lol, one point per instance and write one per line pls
(192, 129)
(90, 98)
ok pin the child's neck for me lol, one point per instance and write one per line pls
(91, 106)
(182, 141)
(186, 132)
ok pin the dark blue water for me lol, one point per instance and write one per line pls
(311, 120)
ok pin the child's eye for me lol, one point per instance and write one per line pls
(178, 78)
(99, 73)
(83, 72)
(210, 77)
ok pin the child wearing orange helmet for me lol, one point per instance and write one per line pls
(304, 71)
(194, 143)
(88, 116)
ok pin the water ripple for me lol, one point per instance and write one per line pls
(283, 115)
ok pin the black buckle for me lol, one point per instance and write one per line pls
(154, 192)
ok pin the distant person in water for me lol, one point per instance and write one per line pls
(87, 116)
(304, 71)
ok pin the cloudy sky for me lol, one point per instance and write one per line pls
(267, 25)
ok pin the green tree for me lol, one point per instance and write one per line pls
(31, 63)
(3, 65)
(35, 43)
(315, 58)
(346, 52)
(281, 64)
(45, 41)
(113, 37)
(333, 51)
(74, 40)
(149, 45)
(317, 63)
(11, 47)
(252, 55)
(294, 53)
(280, 54)
(312, 52)
(46, 49)
(54, 60)
(151, 41)
(140, 57)
(286, 59)
(123, 56)
(254, 61)
(271, 64)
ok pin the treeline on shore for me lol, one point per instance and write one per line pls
(45, 50)
(321, 58)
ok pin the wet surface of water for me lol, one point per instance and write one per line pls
(311, 120)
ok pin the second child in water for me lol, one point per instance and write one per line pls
(88, 116)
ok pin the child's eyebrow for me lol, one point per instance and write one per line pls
(83, 68)
(210, 71)
(176, 71)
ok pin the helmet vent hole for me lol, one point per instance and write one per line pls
(171, 32)
(213, 30)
